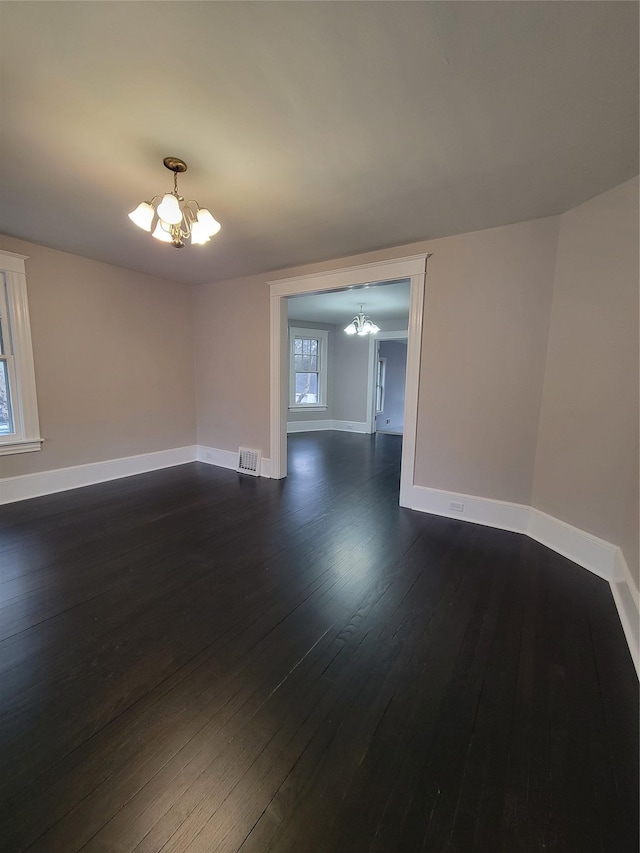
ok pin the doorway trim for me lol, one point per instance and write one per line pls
(413, 267)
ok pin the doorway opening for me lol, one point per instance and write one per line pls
(389, 372)
(412, 269)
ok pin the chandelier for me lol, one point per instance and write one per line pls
(362, 325)
(176, 220)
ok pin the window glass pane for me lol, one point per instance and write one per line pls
(298, 346)
(6, 420)
(304, 363)
(306, 387)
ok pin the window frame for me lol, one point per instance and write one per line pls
(322, 336)
(18, 356)
(381, 375)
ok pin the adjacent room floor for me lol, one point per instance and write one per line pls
(196, 661)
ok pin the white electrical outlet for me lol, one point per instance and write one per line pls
(456, 506)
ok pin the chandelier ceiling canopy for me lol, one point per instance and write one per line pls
(175, 219)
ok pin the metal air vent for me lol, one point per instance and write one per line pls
(249, 461)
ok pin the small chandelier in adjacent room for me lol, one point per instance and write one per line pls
(362, 325)
(175, 219)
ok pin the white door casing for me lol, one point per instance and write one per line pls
(413, 268)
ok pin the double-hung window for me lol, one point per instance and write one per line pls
(308, 368)
(19, 429)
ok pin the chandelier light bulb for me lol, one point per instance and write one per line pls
(210, 226)
(143, 215)
(351, 329)
(161, 234)
(199, 234)
(169, 210)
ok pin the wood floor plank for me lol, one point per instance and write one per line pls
(192, 661)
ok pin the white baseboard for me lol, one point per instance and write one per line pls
(583, 548)
(62, 479)
(27, 486)
(491, 513)
(227, 459)
(315, 426)
(598, 556)
(220, 458)
(351, 426)
(309, 426)
(627, 599)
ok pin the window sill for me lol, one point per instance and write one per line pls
(26, 446)
(308, 408)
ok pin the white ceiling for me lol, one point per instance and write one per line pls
(312, 130)
(382, 301)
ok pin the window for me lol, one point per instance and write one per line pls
(19, 430)
(380, 377)
(308, 368)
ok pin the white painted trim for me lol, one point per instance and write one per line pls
(278, 373)
(583, 548)
(412, 382)
(394, 268)
(214, 456)
(351, 426)
(26, 437)
(227, 459)
(625, 596)
(12, 262)
(622, 573)
(491, 513)
(62, 479)
(413, 267)
(20, 447)
(328, 424)
(310, 426)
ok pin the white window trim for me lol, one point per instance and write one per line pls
(382, 363)
(323, 336)
(24, 404)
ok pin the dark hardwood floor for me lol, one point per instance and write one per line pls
(193, 660)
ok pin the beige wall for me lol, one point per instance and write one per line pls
(486, 319)
(113, 359)
(231, 328)
(586, 469)
(351, 370)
